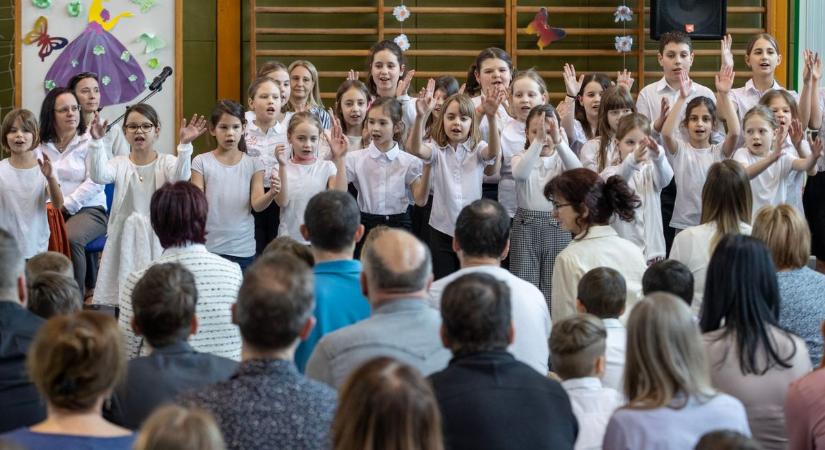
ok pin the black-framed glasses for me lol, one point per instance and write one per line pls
(144, 127)
(560, 205)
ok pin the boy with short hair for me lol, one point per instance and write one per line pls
(603, 292)
(53, 293)
(48, 262)
(669, 276)
(577, 346)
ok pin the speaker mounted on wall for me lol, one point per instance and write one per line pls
(699, 19)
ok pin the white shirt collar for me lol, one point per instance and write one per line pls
(612, 323)
(276, 128)
(599, 231)
(586, 383)
(390, 154)
(663, 87)
(751, 88)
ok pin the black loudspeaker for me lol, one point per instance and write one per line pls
(699, 19)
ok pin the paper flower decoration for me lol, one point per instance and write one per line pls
(48, 84)
(624, 44)
(401, 13)
(153, 63)
(74, 8)
(98, 50)
(151, 42)
(145, 5)
(623, 14)
(125, 56)
(42, 4)
(402, 42)
(75, 63)
(132, 78)
(106, 80)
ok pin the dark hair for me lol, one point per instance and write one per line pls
(75, 80)
(473, 86)
(603, 292)
(584, 188)
(393, 48)
(178, 213)
(286, 244)
(676, 37)
(476, 313)
(164, 302)
(726, 440)
(276, 298)
(331, 218)
(269, 67)
(548, 111)
(579, 112)
(701, 101)
(48, 128)
(343, 89)
(741, 290)
(230, 108)
(380, 272)
(483, 228)
(145, 110)
(392, 108)
(669, 276)
(52, 293)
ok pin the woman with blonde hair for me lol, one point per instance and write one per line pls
(726, 208)
(387, 405)
(174, 427)
(305, 92)
(670, 401)
(801, 309)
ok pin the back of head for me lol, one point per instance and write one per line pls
(387, 405)
(48, 262)
(669, 276)
(178, 212)
(286, 244)
(397, 263)
(575, 344)
(331, 218)
(603, 292)
(276, 299)
(12, 263)
(476, 314)
(164, 302)
(665, 356)
(742, 293)
(729, 210)
(726, 440)
(483, 229)
(783, 229)
(76, 359)
(174, 427)
(52, 293)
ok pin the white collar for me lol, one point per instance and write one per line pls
(662, 86)
(750, 87)
(584, 383)
(390, 154)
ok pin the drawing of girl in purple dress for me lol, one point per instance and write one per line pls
(97, 51)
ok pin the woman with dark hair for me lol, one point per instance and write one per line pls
(86, 86)
(752, 358)
(64, 140)
(178, 212)
(584, 205)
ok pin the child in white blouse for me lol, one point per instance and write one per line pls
(642, 163)
(537, 238)
(458, 156)
(351, 103)
(600, 152)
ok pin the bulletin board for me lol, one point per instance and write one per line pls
(127, 43)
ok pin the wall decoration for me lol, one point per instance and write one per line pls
(40, 35)
(401, 14)
(540, 27)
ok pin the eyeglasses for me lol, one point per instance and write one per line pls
(144, 127)
(66, 109)
(560, 205)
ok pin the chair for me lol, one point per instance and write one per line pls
(96, 246)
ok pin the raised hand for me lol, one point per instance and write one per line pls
(462, 88)
(640, 153)
(274, 183)
(96, 128)
(280, 154)
(541, 132)
(664, 110)
(727, 54)
(491, 102)
(652, 146)
(564, 108)
(190, 131)
(816, 147)
(778, 140)
(404, 83)
(685, 84)
(623, 78)
(816, 66)
(571, 84)
(352, 75)
(337, 141)
(426, 100)
(724, 80)
(553, 131)
(796, 132)
(46, 166)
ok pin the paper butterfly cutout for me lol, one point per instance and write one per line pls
(151, 42)
(40, 35)
(540, 28)
(145, 5)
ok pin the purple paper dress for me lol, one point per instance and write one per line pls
(96, 50)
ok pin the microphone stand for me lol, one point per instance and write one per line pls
(143, 100)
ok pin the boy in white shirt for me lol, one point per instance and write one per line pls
(602, 292)
(577, 346)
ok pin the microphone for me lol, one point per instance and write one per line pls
(162, 76)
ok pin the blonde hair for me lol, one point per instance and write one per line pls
(531, 74)
(771, 40)
(786, 234)
(301, 117)
(763, 112)
(630, 122)
(665, 358)
(465, 108)
(575, 344)
(174, 427)
(315, 93)
(729, 210)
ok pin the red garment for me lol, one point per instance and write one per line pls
(59, 237)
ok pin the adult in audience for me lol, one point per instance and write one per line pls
(387, 404)
(19, 401)
(752, 357)
(727, 440)
(51, 293)
(332, 224)
(397, 273)
(488, 399)
(86, 86)
(726, 208)
(178, 214)
(482, 241)
(267, 403)
(75, 362)
(801, 290)
(173, 427)
(48, 262)
(63, 138)
(670, 400)
(164, 303)
(806, 404)
(585, 204)
(669, 276)
(291, 246)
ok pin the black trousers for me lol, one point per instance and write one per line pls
(668, 198)
(371, 221)
(266, 226)
(421, 221)
(812, 201)
(445, 261)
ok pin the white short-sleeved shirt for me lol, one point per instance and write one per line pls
(690, 167)
(592, 405)
(615, 350)
(262, 145)
(649, 103)
(796, 179)
(589, 154)
(23, 200)
(230, 227)
(457, 174)
(383, 179)
(771, 186)
(79, 191)
(303, 182)
(513, 137)
(746, 97)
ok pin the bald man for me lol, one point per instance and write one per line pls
(397, 275)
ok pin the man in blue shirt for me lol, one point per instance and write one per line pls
(332, 224)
